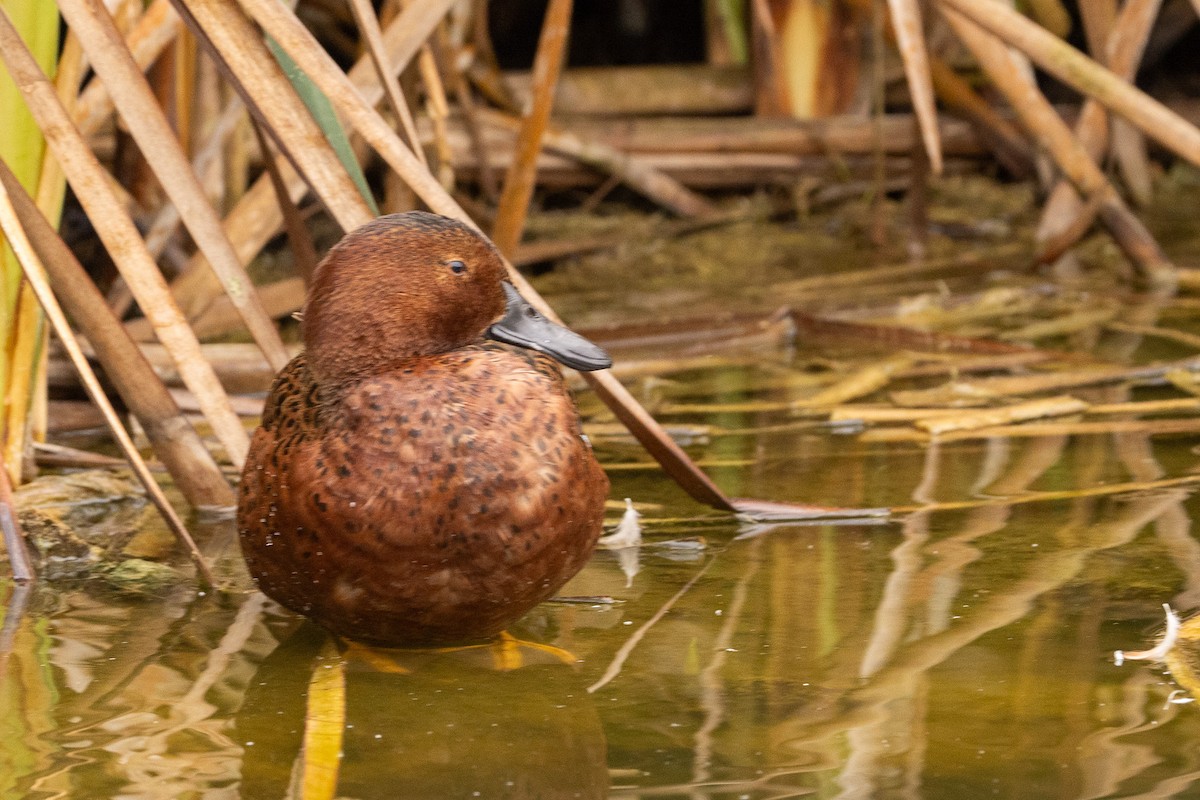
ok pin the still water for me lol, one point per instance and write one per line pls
(962, 648)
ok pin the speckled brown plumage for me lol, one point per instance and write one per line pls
(433, 489)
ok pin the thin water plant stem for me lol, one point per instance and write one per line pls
(522, 171)
(14, 538)
(149, 127)
(93, 187)
(174, 440)
(368, 26)
(33, 271)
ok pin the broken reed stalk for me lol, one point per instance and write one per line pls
(172, 437)
(522, 171)
(1083, 74)
(148, 125)
(238, 48)
(630, 169)
(368, 27)
(122, 239)
(1065, 218)
(995, 131)
(32, 269)
(910, 41)
(1039, 117)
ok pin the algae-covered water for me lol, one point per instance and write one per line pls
(963, 647)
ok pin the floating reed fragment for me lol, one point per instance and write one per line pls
(1102, 490)
(872, 414)
(1179, 337)
(987, 389)
(1147, 427)
(1074, 322)
(863, 381)
(1018, 412)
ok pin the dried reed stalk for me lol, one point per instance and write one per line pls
(630, 169)
(519, 182)
(92, 186)
(257, 216)
(1040, 118)
(1064, 210)
(368, 27)
(34, 274)
(150, 129)
(1005, 140)
(156, 28)
(1082, 73)
(437, 109)
(173, 439)
(1018, 412)
(240, 50)
(986, 389)
(910, 41)
(1148, 427)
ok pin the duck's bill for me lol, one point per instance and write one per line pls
(524, 326)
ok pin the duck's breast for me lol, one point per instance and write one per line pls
(451, 484)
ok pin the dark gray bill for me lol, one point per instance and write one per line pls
(523, 326)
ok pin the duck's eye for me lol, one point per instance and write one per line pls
(456, 266)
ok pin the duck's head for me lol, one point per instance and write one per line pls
(417, 284)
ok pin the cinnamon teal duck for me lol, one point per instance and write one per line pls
(420, 476)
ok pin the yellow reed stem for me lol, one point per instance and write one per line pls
(21, 331)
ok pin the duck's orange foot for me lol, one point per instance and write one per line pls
(507, 652)
(504, 653)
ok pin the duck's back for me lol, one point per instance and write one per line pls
(437, 501)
